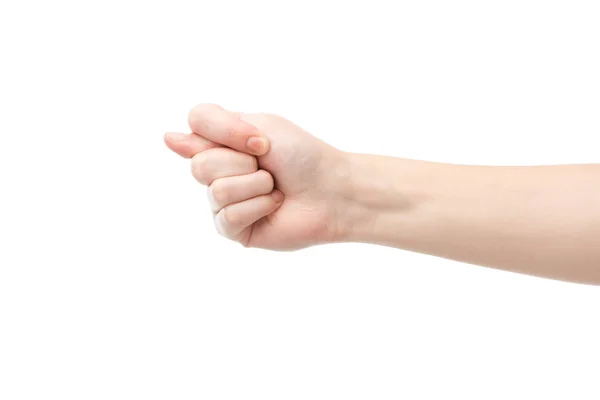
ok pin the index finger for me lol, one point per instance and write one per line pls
(225, 127)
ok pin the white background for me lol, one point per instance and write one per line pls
(113, 284)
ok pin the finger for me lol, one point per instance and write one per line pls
(227, 128)
(233, 219)
(221, 162)
(225, 191)
(188, 145)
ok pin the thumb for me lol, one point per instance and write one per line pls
(227, 128)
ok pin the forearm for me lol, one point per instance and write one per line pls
(542, 221)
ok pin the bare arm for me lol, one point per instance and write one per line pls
(296, 191)
(542, 221)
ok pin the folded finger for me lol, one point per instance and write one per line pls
(233, 219)
(221, 162)
(226, 191)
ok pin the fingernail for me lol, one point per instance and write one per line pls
(257, 145)
(219, 225)
(277, 196)
(177, 137)
(211, 200)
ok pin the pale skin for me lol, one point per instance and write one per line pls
(273, 185)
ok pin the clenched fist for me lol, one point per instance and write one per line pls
(270, 183)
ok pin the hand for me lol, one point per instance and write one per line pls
(270, 183)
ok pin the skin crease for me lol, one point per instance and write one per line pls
(289, 190)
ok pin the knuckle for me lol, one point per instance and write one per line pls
(230, 219)
(233, 131)
(201, 110)
(219, 192)
(200, 168)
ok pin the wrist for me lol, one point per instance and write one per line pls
(374, 194)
